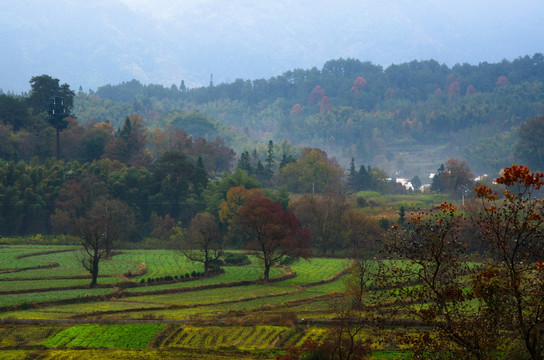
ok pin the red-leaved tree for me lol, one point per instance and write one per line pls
(326, 106)
(316, 95)
(358, 84)
(273, 231)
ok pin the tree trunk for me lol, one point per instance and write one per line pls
(94, 271)
(58, 143)
(266, 271)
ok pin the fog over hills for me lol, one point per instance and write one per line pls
(92, 43)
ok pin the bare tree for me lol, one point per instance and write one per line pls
(98, 228)
(202, 241)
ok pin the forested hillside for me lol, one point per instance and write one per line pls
(406, 119)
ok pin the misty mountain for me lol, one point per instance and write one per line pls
(93, 43)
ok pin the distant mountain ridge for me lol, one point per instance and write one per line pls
(93, 43)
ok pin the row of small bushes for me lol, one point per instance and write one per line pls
(193, 274)
(40, 239)
(186, 276)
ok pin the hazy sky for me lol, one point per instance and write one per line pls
(94, 42)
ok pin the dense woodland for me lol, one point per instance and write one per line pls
(406, 119)
(169, 153)
(393, 118)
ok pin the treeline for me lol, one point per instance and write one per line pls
(415, 81)
(170, 180)
(157, 199)
(30, 191)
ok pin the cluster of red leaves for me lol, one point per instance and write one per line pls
(512, 175)
(521, 175)
(358, 84)
(416, 219)
(486, 193)
(486, 283)
(445, 207)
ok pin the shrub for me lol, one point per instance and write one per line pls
(236, 259)
(384, 223)
(287, 260)
(361, 202)
(25, 306)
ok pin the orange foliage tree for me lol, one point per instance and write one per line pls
(436, 260)
(513, 232)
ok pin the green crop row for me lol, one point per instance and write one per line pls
(130, 336)
(243, 337)
(315, 270)
(160, 263)
(69, 264)
(59, 283)
(29, 298)
(210, 296)
(231, 274)
(12, 260)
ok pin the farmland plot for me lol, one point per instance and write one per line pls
(17, 258)
(231, 274)
(192, 301)
(68, 265)
(159, 263)
(131, 336)
(29, 298)
(241, 337)
(316, 270)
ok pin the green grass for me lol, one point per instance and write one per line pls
(69, 265)
(390, 355)
(208, 310)
(160, 263)
(212, 295)
(29, 298)
(232, 274)
(9, 255)
(61, 283)
(315, 270)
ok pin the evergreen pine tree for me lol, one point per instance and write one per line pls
(244, 163)
(352, 176)
(269, 168)
(200, 177)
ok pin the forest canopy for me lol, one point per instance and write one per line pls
(405, 119)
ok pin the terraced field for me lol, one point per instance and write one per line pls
(47, 283)
(131, 336)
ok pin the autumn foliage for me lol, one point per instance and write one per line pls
(316, 95)
(358, 84)
(513, 232)
(273, 231)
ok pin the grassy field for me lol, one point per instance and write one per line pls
(231, 315)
